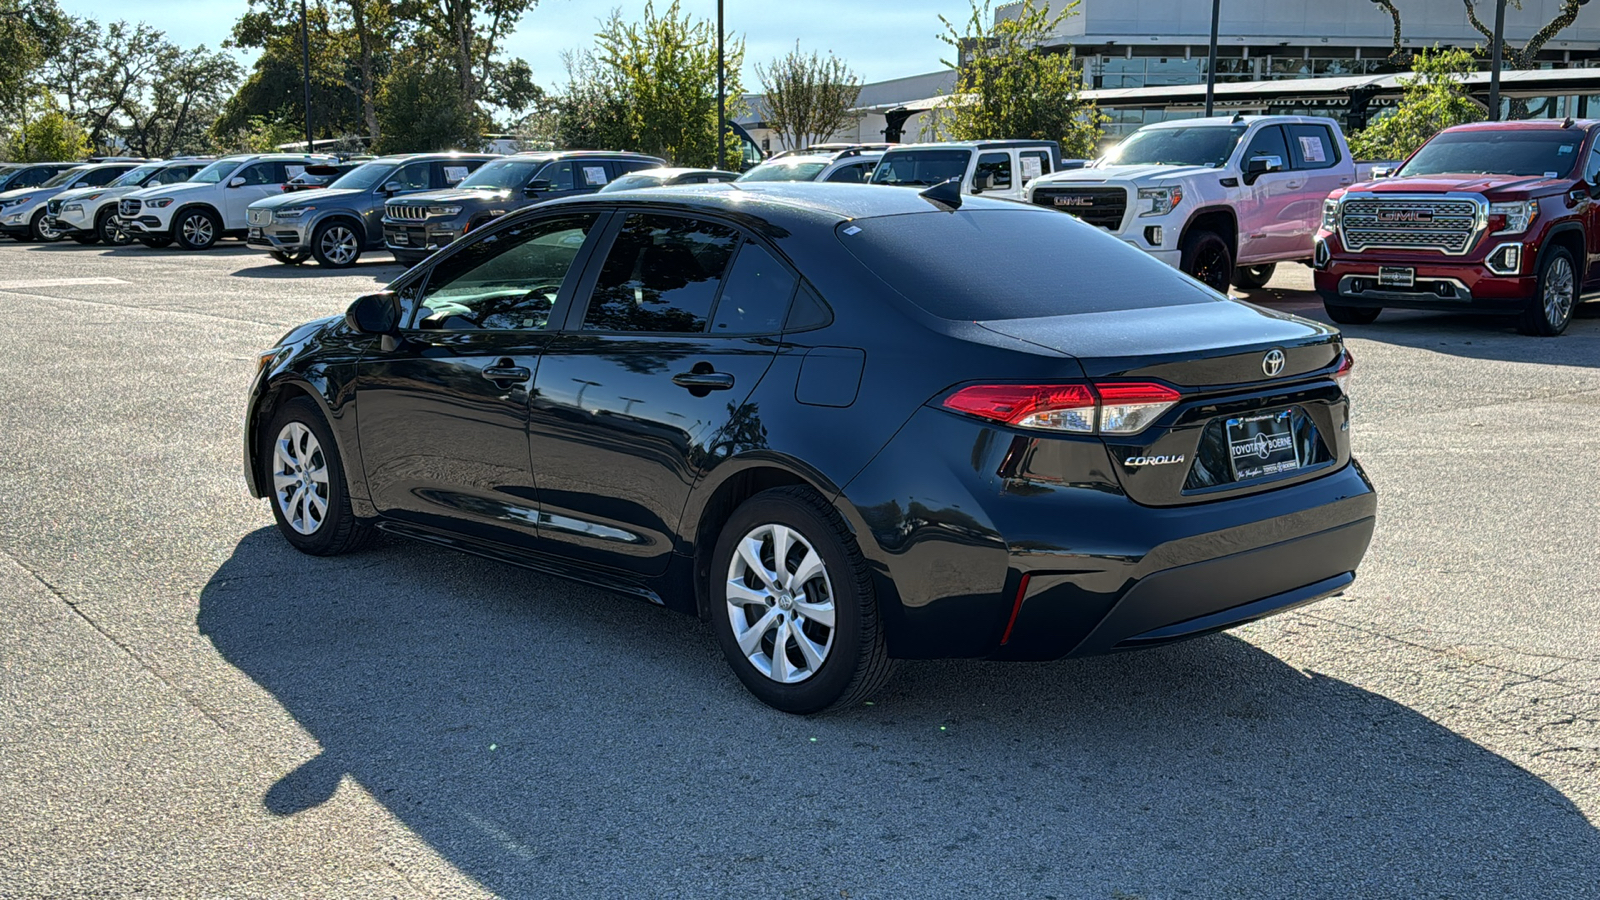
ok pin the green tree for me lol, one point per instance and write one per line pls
(31, 32)
(46, 136)
(808, 98)
(421, 108)
(591, 113)
(1433, 99)
(662, 74)
(1008, 85)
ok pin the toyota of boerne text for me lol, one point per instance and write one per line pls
(1496, 217)
(842, 424)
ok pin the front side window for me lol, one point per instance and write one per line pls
(559, 174)
(921, 168)
(507, 280)
(1591, 172)
(260, 173)
(1268, 142)
(854, 173)
(661, 275)
(996, 166)
(62, 179)
(413, 177)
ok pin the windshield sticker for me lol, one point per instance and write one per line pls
(455, 174)
(593, 175)
(1031, 168)
(1311, 150)
(295, 171)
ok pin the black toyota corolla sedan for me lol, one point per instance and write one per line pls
(842, 424)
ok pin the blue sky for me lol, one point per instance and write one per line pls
(887, 39)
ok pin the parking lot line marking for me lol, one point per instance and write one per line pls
(56, 282)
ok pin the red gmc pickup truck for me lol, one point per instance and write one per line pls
(1497, 217)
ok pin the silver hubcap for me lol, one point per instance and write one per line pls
(115, 234)
(1558, 292)
(780, 603)
(300, 478)
(47, 231)
(197, 230)
(339, 245)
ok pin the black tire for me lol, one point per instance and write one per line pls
(289, 259)
(855, 662)
(1550, 311)
(1252, 278)
(336, 530)
(37, 232)
(157, 242)
(87, 238)
(111, 233)
(197, 228)
(1352, 315)
(336, 243)
(1208, 259)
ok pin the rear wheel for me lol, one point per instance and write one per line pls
(42, 231)
(335, 244)
(1208, 259)
(793, 605)
(1550, 311)
(110, 229)
(1352, 315)
(197, 229)
(305, 480)
(1253, 277)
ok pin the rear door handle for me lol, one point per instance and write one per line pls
(703, 381)
(505, 370)
(1296, 185)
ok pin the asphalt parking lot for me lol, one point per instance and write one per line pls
(193, 709)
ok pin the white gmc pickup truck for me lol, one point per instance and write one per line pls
(1222, 198)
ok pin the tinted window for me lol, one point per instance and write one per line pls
(661, 275)
(1312, 146)
(921, 167)
(508, 280)
(559, 175)
(1592, 170)
(964, 265)
(855, 173)
(260, 173)
(102, 177)
(996, 165)
(176, 174)
(413, 177)
(624, 166)
(30, 178)
(1522, 152)
(1268, 142)
(755, 296)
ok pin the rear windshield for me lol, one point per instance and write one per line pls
(785, 171)
(1549, 153)
(970, 265)
(917, 168)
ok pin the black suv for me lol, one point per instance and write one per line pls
(418, 224)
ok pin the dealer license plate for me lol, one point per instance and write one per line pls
(1263, 444)
(1397, 276)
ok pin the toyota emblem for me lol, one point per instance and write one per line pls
(1272, 363)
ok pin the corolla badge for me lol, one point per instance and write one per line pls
(1272, 363)
(1153, 460)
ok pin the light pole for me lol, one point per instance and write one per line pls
(1211, 57)
(722, 102)
(1494, 60)
(305, 57)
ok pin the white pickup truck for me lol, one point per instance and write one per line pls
(1224, 198)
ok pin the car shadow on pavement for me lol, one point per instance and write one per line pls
(549, 739)
(382, 267)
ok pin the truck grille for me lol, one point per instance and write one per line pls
(258, 216)
(1102, 206)
(53, 208)
(1415, 223)
(405, 213)
(129, 209)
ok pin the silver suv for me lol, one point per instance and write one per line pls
(852, 165)
(336, 223)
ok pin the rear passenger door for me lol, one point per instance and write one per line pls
(998, 166)
(1314, 153)
(261, 180)
(672, 328)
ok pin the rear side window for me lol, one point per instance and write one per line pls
(103, 177)
(1268, 142)
(661, 275)
(964, 265)
(855, 173)
(1034, 163)
(755, 297)
(1312, 147)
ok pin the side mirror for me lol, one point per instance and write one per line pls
(375, 314)
(537, 186)
(984, 182)
(393, 187)
(236, 181)
(1381, 172)
(1258, 166)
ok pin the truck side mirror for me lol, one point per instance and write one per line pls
(983, 182)
(1381, 172)
(1258, 166)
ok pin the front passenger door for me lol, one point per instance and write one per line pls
(1265, 231)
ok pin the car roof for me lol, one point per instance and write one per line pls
(1527, 125)
(558, 154)
(429, 157)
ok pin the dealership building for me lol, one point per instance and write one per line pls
(1145, 61)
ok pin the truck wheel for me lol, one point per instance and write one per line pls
(1250, 278)
(1352, 315)
(1208, 259)
(197, 229)
(1550, 310)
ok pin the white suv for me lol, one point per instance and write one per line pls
(1000, 170)
(852, 165)
(89, 215)
(200, 211)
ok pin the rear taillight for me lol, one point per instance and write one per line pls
(1112, 408)
(1342, 375)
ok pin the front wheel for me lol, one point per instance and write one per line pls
(1352, 315)
(1550, 311)
(197, 229)
(793, 604)
(1251, 278)
(336, 245)
(42, 231)
(111, 231)
(305, 479)
(1208, 259)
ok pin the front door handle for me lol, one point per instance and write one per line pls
(703, 381)
(1296, 185)
(505, 370)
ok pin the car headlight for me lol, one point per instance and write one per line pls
(16, 201)
(1162, 199)
(72, 207)
(158, 203)
(444, 210)
(291, 213)
(1512, 216)
(1330, 214)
